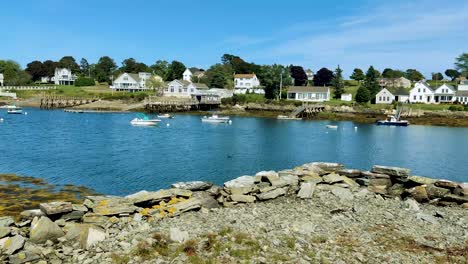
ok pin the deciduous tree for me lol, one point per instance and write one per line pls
(461, 64)
(357, 75)
(69, 63)
(299, 75)
(104, 69)
(452, 74)
(437, 76)
(36, 69)
(161, 68)
(176, 70)
(323, 77)
(414, 75)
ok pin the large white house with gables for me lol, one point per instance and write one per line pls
(183, 88)
(309, 93)
(131, 82)
(64, 76)
(194, 76)
(444, 94)
(1, 79)
(249, 82)
(461, 94)
(422, 93)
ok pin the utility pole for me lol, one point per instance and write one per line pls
(281, 84)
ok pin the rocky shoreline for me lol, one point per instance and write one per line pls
(316, 213)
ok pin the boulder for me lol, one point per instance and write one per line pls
(10, 245)
(351, 183)
(419, 180)
(311, 178)
(54, 208)
(26, 256)
(307, 190)
(243, 190)
(380, 189)
(332, 178)
(396, 190)
(92, 218)
(44, 229)
(272, 194)
(73, 215)
(461, 189)
(108, 205)
(342, 193)
(446, 184)
(310, 169)
(372, 175)
(395, 172)
(436, 192)
(456, 198)
(176, 235)
(4, 231)
(92, 236)
(278, 183)
(419, 193)
(267, 176)
(242, 198)
(380, 181)
(192, 185)
(242, 181)
(6, 221)
(158, 196)
(206, 200)
(30, 214)
(214, 190)
(362, 181)
(328, 166)
(79, 207)
(351, 173)
(184, 206)
(410, 204)
(292, 180)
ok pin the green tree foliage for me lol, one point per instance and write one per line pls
(357, 75)
(155, 84)
(363, 95)
(414, 75)
(84, 67)
(49, 67)
(161, 68)
(299, 75)
(130, 65)
(238, 65)
(338, 82)
(323, 77)
(219, 76)
(452, 74)
(13, 74)
(104, 69)
(461, 64)
(437, 76)
(84, 81)
(370, 82)
(36, 69)
(389, 73)
(176, 70)
(271, 77)
(69, 63)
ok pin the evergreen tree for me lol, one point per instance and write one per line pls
(362, 95)
(357, 75)
(370, 82)
(338, 82)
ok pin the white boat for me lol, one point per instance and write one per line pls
(216, 119)
(8, 107)
(15, 110)
(332, 127)
(144, 122)
(283, 117)
(165, 116)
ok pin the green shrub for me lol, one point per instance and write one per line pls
(83, 81)
(456, 108)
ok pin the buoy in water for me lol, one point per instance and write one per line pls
(230, 122)
(1, 119)
(25, 113)
(355, 128)
(168, 125)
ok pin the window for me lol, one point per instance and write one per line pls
(380, 98)
(419, 90)
(125, 78)
(414, 97)
(172, 89)
(420, 97)
(388, 98)
(191, 90)
(185, 90)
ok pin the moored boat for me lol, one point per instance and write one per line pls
(332, 127)
(15, 110)
(143, 120)
(216, 119)
(283, 117)
(8, 107)
(165, 116)
(392, 121)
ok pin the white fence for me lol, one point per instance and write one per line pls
(26, 88)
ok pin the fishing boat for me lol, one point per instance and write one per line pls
(165, 116)
(143, 120)
(332, 127)
(392, 121)
(8, 107)
(16, 110)
(216, 119)
(283, 117)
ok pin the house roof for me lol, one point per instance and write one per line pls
(200, 85)
(308, 89)
(244, 75)
(135, 76)
(398, 91)
(449, 86)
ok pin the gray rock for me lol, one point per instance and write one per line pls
(92, 218)
(312, 169)
(290, 179)
(192, 185)
(269, 176)
(4, 231)
(410, 204)
(392, 171)
(419, 193)
(351, 173)
(44, 229)
(6, 221)
(362, 181)
(446, 184)
(30, 214)
(54, 208)
(342, 193)
(396, 190)
(26, 256)
(187, 205)
(332, 178)
(243, 190)
(278, 183)
(79, 207)
(456, 198)
(10, 245)
(155, 197)
(93, 236)
(380, 189)
(242, 181)
(372, 175)
(214, 190)
(428, 218)
(419, 180)
(206, 200)
(272, 194)
(351, 183)
(307, 190)
(461, 189)
(242, 198)
(176, 235)
(380, 181)
(73, 215)
(436, 192)
(328, 166)
(111, 205)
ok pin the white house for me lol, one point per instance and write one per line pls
(347, 97)
(309, 93)
(189, 76)
(463, 86)
(310, 75)
(131, 82)
(444, 94)
(388, 95)
(249, 82)
(64, 76)
(422, 93)
(461, 95)
(395, 82)
(1, 79)
(183, 88)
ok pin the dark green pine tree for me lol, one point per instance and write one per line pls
(370, 83)
(338, 82)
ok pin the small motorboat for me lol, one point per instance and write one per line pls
(165, 116)
(283, 117)
(143, 120)
(16, 110)
(216, 119)
(392, 121)
(332, 127)
(8, 107)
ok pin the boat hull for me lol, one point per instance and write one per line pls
(287, 118)
(392, 123)
(207, 120)
(149, 122)
(15, 112)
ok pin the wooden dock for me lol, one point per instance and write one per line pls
(307, 110)
(162, 105)
(50, 102)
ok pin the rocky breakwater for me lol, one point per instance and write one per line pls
(158, 226)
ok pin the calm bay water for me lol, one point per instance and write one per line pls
(106, 153)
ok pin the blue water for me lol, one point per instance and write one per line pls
(106, 153)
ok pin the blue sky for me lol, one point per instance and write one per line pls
(426, 35)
